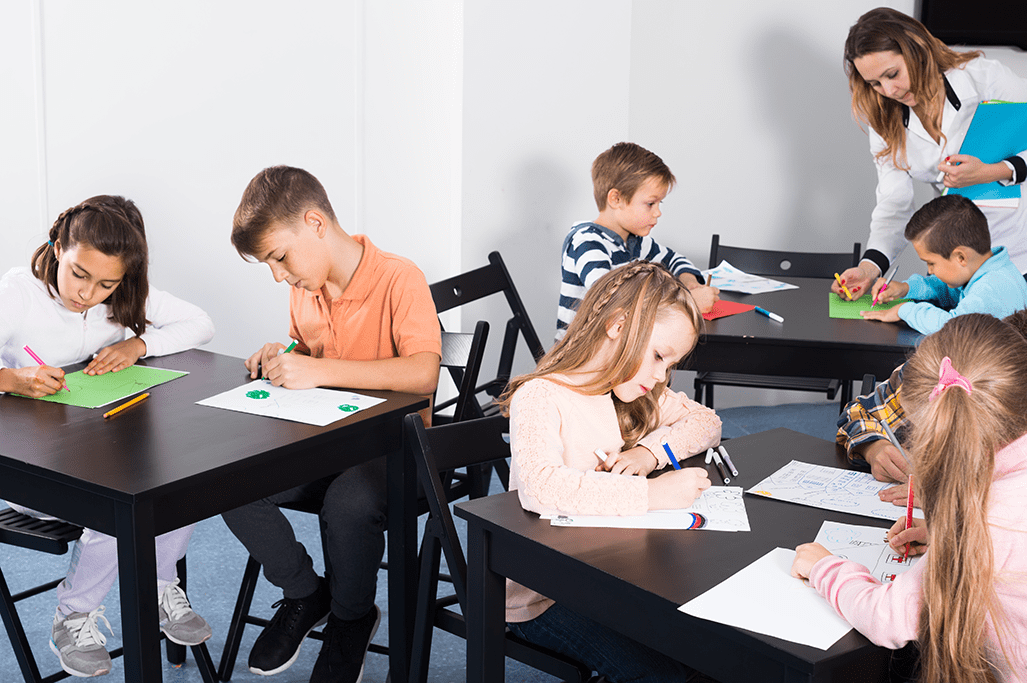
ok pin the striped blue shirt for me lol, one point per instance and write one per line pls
(590, 251)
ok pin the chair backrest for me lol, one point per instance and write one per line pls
(461, 355)
(481, 283)
(776, 263)
(445, 448)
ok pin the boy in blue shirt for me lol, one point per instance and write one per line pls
(629, 182)
(965, 275)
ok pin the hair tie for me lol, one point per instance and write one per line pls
(948, 376)
(50, 242)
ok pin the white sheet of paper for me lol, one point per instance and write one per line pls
(311, 406)
(730, 279)
(721, 506)
(765, 598)
(866, 545)
(830, 488)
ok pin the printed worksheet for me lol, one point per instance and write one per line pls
(730, 279)
(718, 508)
(830, 488)
(866, 545)
(311, 406)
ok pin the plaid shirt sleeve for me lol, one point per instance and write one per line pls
(860, 422)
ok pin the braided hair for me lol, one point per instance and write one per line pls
(113, 226)
(635, 294)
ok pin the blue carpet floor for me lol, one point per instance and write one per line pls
(217, 559)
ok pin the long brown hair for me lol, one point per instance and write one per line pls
(954, 440)
(927, 59)
(636, 294)
(113, 226)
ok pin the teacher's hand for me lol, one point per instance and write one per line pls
(857, 280)
(963, 170)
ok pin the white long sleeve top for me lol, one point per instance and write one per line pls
(30, 316)
(978, 80)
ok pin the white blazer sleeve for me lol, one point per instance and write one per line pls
(175, 325)
(894, 204)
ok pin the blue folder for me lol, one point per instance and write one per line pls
(998, 131)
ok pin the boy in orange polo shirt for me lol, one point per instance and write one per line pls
(364, 319)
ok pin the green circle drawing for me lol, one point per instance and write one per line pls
(258, 393)
(347, 408)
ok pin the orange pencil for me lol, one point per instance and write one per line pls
(909, 514)
(128, 404)
(844, 288)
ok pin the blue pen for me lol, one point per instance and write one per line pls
(670, 454)
(772, 316)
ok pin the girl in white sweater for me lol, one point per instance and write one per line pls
(86, 297)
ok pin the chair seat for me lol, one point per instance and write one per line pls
(732, 379)
(44, 535)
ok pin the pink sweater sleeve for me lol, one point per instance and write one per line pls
(689, 427)
(547, 484)
(886, 613)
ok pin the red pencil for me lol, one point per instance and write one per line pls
(909, 514)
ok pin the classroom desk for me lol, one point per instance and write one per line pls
(167, 462)
(634, 580)
(807, 344)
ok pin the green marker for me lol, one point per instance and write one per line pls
(291, 346)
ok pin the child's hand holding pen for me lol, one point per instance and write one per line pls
(916, 536)
(883, 291)
(896, 495)
(678, 488)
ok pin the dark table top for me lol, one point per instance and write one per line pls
(652, 572)
(168, 446)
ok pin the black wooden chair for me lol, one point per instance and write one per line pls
(478, 284)
(776, 264)
(52, 537)
(461, 356)
(438, 450)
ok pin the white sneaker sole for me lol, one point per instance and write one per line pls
(182, 642)
(73, 672)
(295, 655)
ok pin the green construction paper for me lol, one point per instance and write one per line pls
(849, 310)
(95, 391)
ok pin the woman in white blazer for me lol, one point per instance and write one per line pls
(918, 97)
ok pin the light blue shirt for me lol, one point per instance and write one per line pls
(997, 288)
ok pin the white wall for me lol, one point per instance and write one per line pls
(445, 130)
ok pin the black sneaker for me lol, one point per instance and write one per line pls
(278, 646)
(345, 648)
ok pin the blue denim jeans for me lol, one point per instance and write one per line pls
(607, 652)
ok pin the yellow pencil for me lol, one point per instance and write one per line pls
(844, 288)
(128, 404)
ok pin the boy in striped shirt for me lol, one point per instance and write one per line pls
(629, 183)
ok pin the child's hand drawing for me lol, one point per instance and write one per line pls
(116, 356)
(896, 495)
(886, 462)
(638, 460)
(677, 489)
(882, 294)
(293, 371)
(917, 536)
(36, 381)
(705, 297)
(807, 555)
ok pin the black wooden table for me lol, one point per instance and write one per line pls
(168, 462)
(634, 580)
(808, 343)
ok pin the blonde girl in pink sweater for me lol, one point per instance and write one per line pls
(965, 603)
(603, 387)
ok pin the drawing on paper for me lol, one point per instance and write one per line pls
(311, 406)
(867, 546)
(258, 394)
(830, 488)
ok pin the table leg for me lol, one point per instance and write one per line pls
(402, 493)
(137, 565)
(486, 602)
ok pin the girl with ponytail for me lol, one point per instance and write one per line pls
(965, 603)
(603, 390)
(87, 298)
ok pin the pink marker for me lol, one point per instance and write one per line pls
(40, 361)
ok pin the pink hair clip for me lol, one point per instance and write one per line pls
(948, 376)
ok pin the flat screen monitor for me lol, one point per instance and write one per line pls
(977, 22)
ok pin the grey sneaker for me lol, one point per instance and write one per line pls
(178, 620)
(77, 640)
